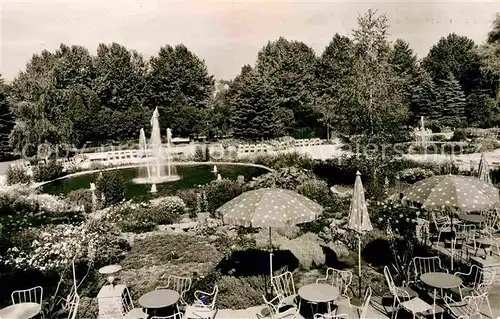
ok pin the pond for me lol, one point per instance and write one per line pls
(191, 175)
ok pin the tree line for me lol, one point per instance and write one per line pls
(361, 84)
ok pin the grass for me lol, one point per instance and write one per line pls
(191, 175)
(153, 259)
(171, 248)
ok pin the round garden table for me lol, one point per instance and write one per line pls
(23, 310)
(440, 280)
(319, 293)
(159, 299)
(471, 218)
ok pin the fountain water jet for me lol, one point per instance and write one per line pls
(158, 166)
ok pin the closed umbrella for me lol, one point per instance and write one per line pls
(484, 170)
(359, 220)
(269, 207)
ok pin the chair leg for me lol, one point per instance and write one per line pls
(489, 307)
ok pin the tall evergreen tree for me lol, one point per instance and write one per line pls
(451, 102)
(424, 99)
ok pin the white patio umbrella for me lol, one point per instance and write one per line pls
(269, 207)
(484, 170)
(359, 220)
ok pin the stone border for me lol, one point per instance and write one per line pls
(37, 185)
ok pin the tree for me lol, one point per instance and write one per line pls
(424, 99)
(456, 55)
(6, 122)
(494, 34)
(451, 103)
(179, 79)
(219, 114)
(404, 62)
(490, 55)
(331, 68)
(120, 76)
(372, 98)
(255, 114)
(288, 70)
(480, 109)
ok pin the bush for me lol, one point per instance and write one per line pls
(17, 175)
(283, 160)
(169, 204)
(400, 219)
(88, 308)
(413, 175)
(81, 197)
(191, 198)
(112, 186)
(200, 153)
(286, 178)
(220, 192)
(317, 190)
(48, 172)
(458, 136)
(240, 293)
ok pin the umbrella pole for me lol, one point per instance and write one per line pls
(359, 263)
(270, 263)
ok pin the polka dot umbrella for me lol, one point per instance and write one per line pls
(269, 207)
(455, 192)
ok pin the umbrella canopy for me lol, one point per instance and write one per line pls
(484, 170)
(457, 192)
(359, 220)
(269, 207)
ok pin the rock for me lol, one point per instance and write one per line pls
(185, 220)
(337, 223)
(339, 248)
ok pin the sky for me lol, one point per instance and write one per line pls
(226, 34)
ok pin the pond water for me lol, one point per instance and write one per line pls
(191, 175)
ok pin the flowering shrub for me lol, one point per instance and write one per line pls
(401, 220)
(48, 172)
(171, 204)
(413, 175)
(54, 249)
(287, 178)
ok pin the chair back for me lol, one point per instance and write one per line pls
(337, 278)
(492, 220)
(34, 294)
(366, 303)
(73, 306)
(390, 282)
(423, 265)
(439, 220)
(210, 298)
(475, 303)
(284, 285)
(465, 232)
(180, 284)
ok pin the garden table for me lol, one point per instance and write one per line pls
(473, 219)
(319, 293)
(440, 280)
(158, 299)
(23, 310)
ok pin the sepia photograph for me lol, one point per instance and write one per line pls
(245, 159)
